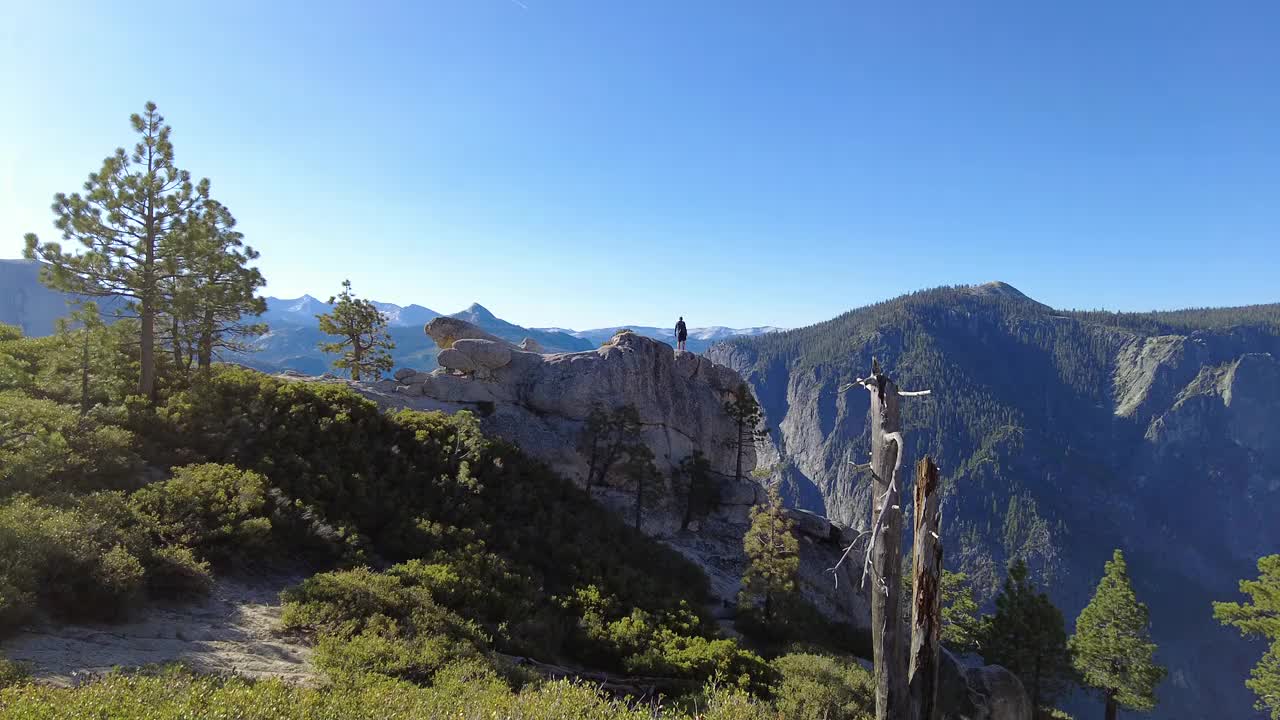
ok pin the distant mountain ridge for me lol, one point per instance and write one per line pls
(700, 338)
(1061, 435)
(292, 340)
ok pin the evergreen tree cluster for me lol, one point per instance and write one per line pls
(612, 444)
(1110, 652)
(1260, 618)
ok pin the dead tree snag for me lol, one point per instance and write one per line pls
(926, 601)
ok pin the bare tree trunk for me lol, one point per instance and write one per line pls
(926, 602)
(1111, 710)
(176, 348)
(146, 357)
(892, 700)
(204, 358)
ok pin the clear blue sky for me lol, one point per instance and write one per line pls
(623, 161)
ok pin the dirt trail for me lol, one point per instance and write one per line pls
(231, 631)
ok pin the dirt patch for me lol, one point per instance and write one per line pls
(231, 631)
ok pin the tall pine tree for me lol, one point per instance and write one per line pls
(773, 558)
(123, 220)
(1260, 619)
(363, 346)
(1112, 648)
(1028, 636)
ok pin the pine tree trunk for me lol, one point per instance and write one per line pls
(150, 293)
(926, 602)
(147, 354)
(84, 374)
(177, 344)
(1112, 710)
(892, 699)
(204, 359)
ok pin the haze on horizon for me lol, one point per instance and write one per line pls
(585, 164)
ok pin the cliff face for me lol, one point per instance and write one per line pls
(1060, 437)
(540, 403)
(26, 302)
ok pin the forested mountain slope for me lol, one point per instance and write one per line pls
(1061, 436)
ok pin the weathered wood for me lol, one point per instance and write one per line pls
(885, 557)
(926, 600)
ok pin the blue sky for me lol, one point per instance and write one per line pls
(600, 162)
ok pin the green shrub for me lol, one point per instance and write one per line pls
(462, 691)
(76, 563)
(219, 511)
(54, 367)
(12, 673)
(175, 572)
(49, 448)
(497, 534)
(465, 690)
(671, 643)
(369, 622)
(823, 687)
(483, 587)
(429, 640)
(343, 602)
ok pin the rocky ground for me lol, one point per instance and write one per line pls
(233, 630)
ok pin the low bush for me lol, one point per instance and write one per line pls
(414, 650)
(175, 572)
(487, 590)
(75, 563)
(343, 602)
(465, 691)
(823, 687)
(48, 448)
(12, 673)
(218, 511)
(368, 622)
(486, 531)
(671, 643)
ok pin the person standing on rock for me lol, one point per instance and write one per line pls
(682, 333)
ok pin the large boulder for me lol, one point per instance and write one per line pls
(445, 331)
(813, 525)
(989, 692)
(484, 353)
(456, 360)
